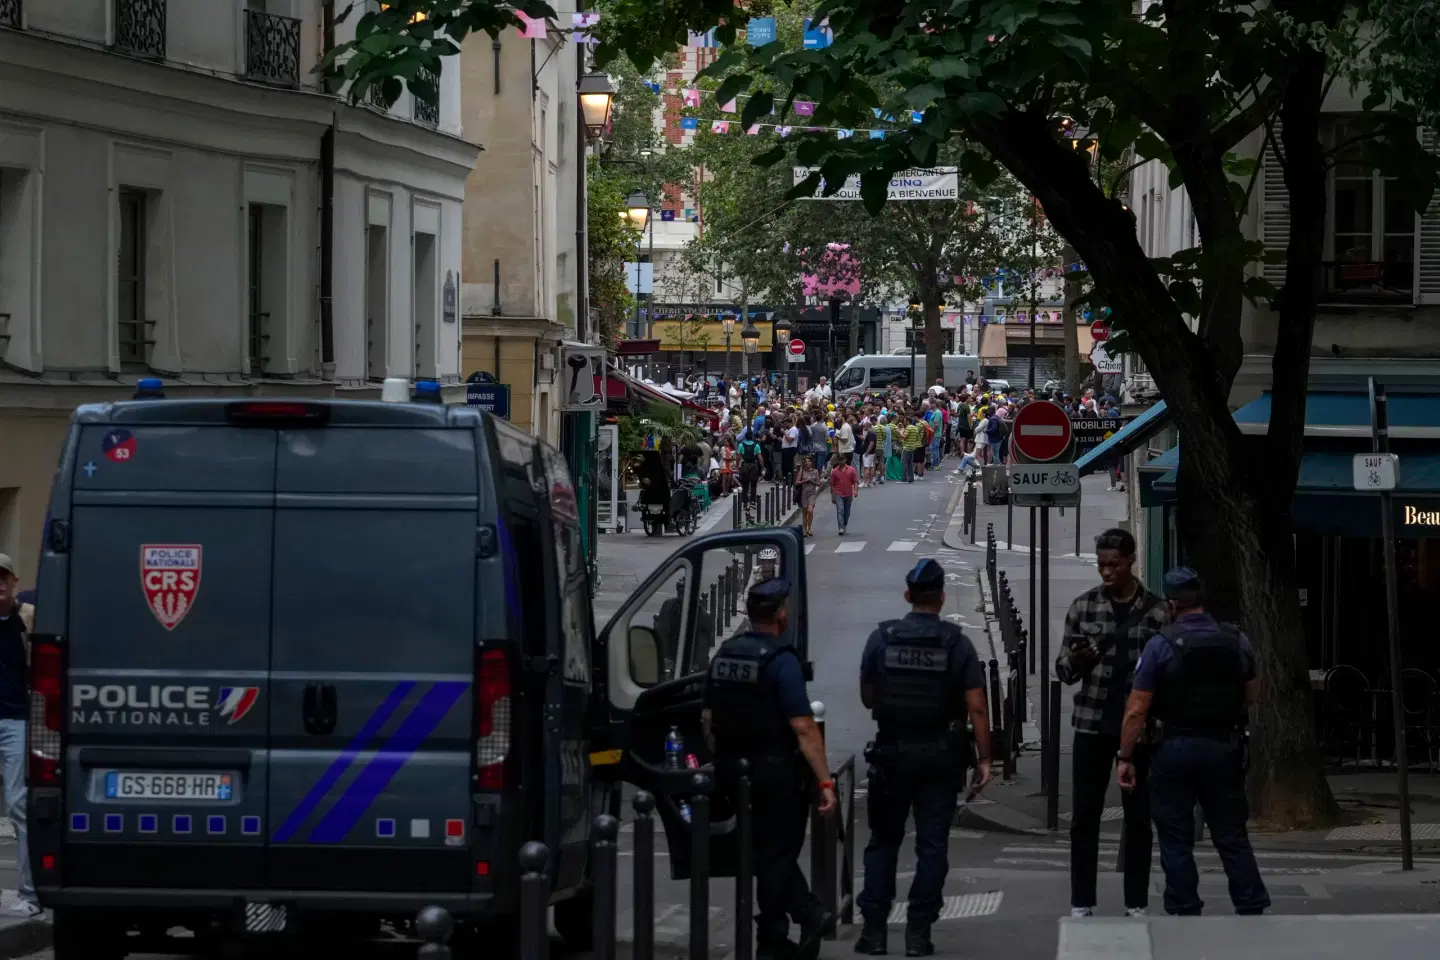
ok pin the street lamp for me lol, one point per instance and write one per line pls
(597, 94)
(727, 324)
(637, 208)
(750, 341)
(782, 329)
(917, 323)
(637, 211)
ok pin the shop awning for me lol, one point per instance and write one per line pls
(1330, 472)
(1124, 440)
(992, 344)
(619, 384)
(1336, 414)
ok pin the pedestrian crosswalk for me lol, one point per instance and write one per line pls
(859, 546)
(1040, 855)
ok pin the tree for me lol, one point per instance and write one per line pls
(1205, 86)
(1186, 82)
(610, 243)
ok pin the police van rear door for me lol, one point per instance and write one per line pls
(374, 598)
(164, 552)
(650, 665)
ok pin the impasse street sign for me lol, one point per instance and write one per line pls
(1044, 484)
(1374, 472)
(1041, 432)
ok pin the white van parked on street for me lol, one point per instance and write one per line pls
(869, 373)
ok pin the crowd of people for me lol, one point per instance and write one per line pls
(890, 436)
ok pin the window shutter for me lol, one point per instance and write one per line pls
(1274, 209)
(1428, 261)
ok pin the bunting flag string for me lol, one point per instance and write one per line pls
(690, 98)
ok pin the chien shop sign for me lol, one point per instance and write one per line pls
(918, 183)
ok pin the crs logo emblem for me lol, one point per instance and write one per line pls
(170, 577)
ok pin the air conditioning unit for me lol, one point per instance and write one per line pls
(583, 376)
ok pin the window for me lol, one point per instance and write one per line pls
(917, 337)
(570, 564)
(427, 274)
(882, 378)
(257, 318)
(377, 288)
(133, 328)
(1371, 237)
(849, 378)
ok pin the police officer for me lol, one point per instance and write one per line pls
(920, 677)
(757, 709)
(1197, 679)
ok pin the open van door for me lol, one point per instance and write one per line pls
(650, 664)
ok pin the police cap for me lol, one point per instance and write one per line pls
(1182, 582)
(771, 593)
(926, 575)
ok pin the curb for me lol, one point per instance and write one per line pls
(995, 817)
(25, 937)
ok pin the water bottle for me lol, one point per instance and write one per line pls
(675, 750)
(685, 811)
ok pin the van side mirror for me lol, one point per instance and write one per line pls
(644, 650)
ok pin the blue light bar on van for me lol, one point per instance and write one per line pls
(427, 391)
(150, 388)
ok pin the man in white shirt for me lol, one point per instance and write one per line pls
(845, 438)
(789, 444)
(821, 390)
(938, 388)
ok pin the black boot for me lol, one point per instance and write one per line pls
(775, 950)
(817, 924)
(917, 941)
(872, 939)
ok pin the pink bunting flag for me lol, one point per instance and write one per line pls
(532, 28)
(753, 129)
(692, 97)
(720, 126)
(804, 108)
(727, 107)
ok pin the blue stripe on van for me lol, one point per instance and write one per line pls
(337, 768)
(393, 755)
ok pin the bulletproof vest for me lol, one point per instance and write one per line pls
(744, 706)
(1203, 693)
(914, 676)
(749, 451)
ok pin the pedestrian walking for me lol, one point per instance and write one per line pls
(750, 455)
(756, 709)
(921, 678)
(17, 621)
(1105, 630)
(810, 483)
(913, 448)
(819, 441)
(789, 445)
(1197, 679)
(844, 489)
(867, 454)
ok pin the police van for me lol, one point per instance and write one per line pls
(307, 667)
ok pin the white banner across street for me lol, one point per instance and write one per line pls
(919, 183)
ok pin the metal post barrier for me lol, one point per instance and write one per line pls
(603, 853)
(1031, 621)
(1077, 532)
(1052, 785)
(744, 869)
(534, 901)
(700, 865)
(847, 859)
(735, 510)
(724, 612)
(729, 593)
(749, 569)
(643, 894)
(997, 709)
(1020, 711)
(1009, 521)
(434, 926)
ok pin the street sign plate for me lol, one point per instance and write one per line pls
(1044, 484)
(1041, 432)
(493, 397)
(797, 358)
(797, 348)
(1374, 472)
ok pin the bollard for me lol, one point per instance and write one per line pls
(1020, 700)
(700, 865)
(534, 901)
(434, 926)
(605, 829)
(715, 605)
(1009, 521)
(997, 715)
(744, 869)
(643, 896)
(1052, 737)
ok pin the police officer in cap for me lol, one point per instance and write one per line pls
(920, 677)
(1197, 679)
(757, 709)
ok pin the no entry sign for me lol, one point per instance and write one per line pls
(797, 348)
(1041, 432)
(1100, 331)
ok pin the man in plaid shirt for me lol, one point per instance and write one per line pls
(1105, 630)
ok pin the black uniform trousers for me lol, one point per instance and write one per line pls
(1189, 770)
(892, 798)
(780, 807)
(749, 480)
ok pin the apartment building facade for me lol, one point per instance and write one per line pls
(180, 198)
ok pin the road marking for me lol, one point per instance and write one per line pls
(962, 907)
(902, 546)
(1111, 849)
(809, 547)
(851, 546)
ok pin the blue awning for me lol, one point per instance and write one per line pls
(1347, 414)
(1329, 472)
(1124, 440)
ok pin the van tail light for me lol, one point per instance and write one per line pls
(47, 712)
(494, 720)
(277, 411)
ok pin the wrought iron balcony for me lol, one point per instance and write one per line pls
(426, 85)
(10, 13)
(272, 48)
(140, 27)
